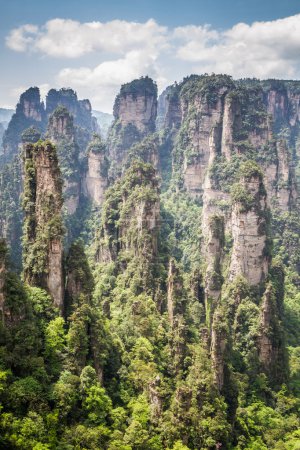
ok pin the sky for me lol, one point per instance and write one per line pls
(94, 46)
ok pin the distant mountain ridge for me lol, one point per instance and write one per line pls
(104, 121)
(6, 114)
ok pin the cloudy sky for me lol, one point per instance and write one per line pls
(94, 46)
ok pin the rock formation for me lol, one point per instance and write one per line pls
(271, 346)
(131, 215)
(216, 117)
(213, 277)
(176, 311)
(96, 178)
(3, 252)
(175, 288)
(135, 112)
(43, 231)
(169, 114)
(249, 227)
(61, 131)
(218, 346)
(81, 110)
(29, 113)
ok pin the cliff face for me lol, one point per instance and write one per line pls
(204, 140)
(60, 125)
(271, 345)
(286, 193)
(213, 253)
(169, 114)
(138, 110)
(200, 134)
(3, 251)
(216, 117)
(131, 215)
(43, 231)
(176, 303)
(61, 132)
(218, 347)
(249, 226)
(29, 112)
(135, 112)
(81, 110)
(194, 320)
(96, 178)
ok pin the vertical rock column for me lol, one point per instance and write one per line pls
(43, 230)
(218, 347)
(2, 273)
(96, 178)
(61, 131)
(135, 111)
(271, 346)
(213, 277)
(176, 310)
(286, 190)
(249, 227)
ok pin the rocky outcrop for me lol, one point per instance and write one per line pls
(81, 110)
(271, 347)
(145, 151)
(156, 398)
(218, 347)
(267, 352)
(137, 105)
(175, 288)
(61, 131)
(169, 114)
(140, 220)
(294, 102)
(231, 121)
(277, 104)
(176, 302)
(286, 189)
(204, 137)
(279, 176)
(131, 215)
(249, 227)
(30, 105)
(60, 125)
(29, 113)
(79, 279)
(135, 112)
(216, 117)
(213, 277)
(3, 252)
(43, 230)
(96, 178)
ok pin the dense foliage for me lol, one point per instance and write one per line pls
(157, 346)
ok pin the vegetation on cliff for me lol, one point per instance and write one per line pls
(179, 321)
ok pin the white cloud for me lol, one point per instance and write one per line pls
(20, 39)
(71, 39)
(102, 82)
(263, 49)
(125, 50)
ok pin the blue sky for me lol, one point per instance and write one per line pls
(94, 46)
